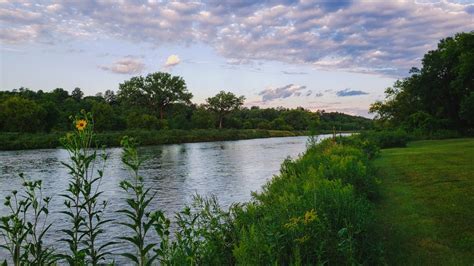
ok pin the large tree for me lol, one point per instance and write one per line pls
(21, 115)
(155, 91)
(224, 103)
(434, 94)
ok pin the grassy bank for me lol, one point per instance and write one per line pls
(19, 141)
(317, 211)
(426, 211)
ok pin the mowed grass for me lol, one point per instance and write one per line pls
(426, 210)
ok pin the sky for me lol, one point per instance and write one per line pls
(333, 55)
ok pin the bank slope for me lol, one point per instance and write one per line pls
(426, 211)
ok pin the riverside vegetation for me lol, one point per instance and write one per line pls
(318, 210)
(156, 109)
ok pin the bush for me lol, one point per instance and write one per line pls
(386, 138)
(314, 212)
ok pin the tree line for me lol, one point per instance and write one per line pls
(155, 102)
(437, 97)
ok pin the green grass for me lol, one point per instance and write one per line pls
(426, 210)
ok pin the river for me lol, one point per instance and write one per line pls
(230, 170)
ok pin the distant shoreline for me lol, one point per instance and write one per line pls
(28, 141)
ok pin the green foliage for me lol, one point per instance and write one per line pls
(201, 118)
(156, 91)
(24, 111)
(437, 96)
(137, 216)
(314, 212)
(103, 116)
(204, 235)
(387, 138)
(26, 226)
(143, 121)
(19, 114)
(224, 103)
(83, 208)
(467, 109)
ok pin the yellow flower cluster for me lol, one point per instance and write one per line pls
(307, 218)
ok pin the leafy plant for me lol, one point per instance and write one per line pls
(204, 234)
(83, 208)
(138, 218)
(26, 226)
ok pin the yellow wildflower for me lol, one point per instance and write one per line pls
(81, 124)
(310, 216)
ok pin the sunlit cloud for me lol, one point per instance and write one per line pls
(172, 61)
(127, 65)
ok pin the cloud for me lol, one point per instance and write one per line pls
(172, 61)
(126, 65)
(355, 36)
(294, 73)
(350, 92)
(289, 90)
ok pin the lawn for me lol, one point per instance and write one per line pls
(426, 208)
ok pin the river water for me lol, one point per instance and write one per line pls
(230, 170)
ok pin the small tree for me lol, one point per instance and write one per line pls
(224, 103)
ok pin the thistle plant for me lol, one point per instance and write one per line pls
(138, 218)
(25, 227)
(82, 199)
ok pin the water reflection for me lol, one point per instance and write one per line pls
(228, 169)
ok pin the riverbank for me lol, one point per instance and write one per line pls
(426, 197)
(22, 141)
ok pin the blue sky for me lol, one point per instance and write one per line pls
(332, 55)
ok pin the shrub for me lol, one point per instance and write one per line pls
(386, 138)
(314, 212)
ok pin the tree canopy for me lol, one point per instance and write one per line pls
(437, 96)
(156, 91)
(137, 106)
(223, 103)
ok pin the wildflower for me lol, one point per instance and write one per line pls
(310, 216)
(81, 124)
(293, 223)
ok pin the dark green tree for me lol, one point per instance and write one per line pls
(437, 90)
(156, 91)
(21, 115)
(224, 103)
(77, 94)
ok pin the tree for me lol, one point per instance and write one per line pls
(110, 97)
(202, 118)
(467, 109)
(77, 94)
(156, 91)
(21, 115)
(224, 103)
(437, 91)
(104, 117)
